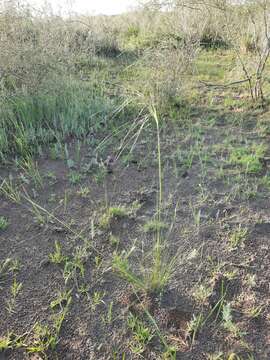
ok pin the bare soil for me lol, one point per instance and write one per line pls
(204, 254)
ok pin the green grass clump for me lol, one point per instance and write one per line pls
(237, 237)
(116, 212)
(248, 158)
(265, 181)
(3, 223)
(57, 256)
(122, 266)
(74, 178)
(152, 278)
(142, 334)
(154, 225)
(62, 108)
(5, 343)
(160, 263)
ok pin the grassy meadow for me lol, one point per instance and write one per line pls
(135, 183)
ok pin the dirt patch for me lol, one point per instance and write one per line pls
(218, 269)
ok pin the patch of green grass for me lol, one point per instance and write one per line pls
(11, 341)
(74, 177)
(14, 291)
(116, 212)
(6, 343)
(8, 266)
(154, 225)
(3, 223)
(75, 265)
(122, 266)
(265, 181)
(249, 158)
(213, 65)
(237, 237)
(156, 275)
(60, 108)
(57, 257)
(97, 299)
(84, 191)
(141, 334)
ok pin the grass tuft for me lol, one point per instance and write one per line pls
(3, 223)
(154, 226)
(248, 158)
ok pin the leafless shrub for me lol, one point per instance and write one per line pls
(35, 46)
(164, 72)
(31, 48)
(241, 25)
(247, 29)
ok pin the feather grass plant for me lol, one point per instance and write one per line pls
(155, 277)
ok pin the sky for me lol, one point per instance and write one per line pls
(108, 7)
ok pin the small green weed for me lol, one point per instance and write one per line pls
(100, 174)
(14, 291)
(237, 237)
(10, 191)
(254, 312)
(63, 299)
(84, 191)
(116, 212)
(142, 334)
(202, 293)
(6, 343)
(9, 266)
(170, 353)
(57, 257)
(108, 318)
(265, 181)
(97, 299)
(3, 223)
(114, 240)
(30, 167)
(74, 177)
(74, 266)
(45, 340)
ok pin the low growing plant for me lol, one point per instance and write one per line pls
(3, 223)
